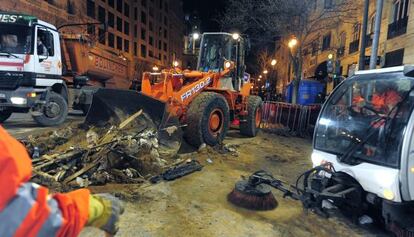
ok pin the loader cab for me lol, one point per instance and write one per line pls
(366, 129)
(215, 49)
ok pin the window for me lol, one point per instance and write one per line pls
(111, 3)
(144, 3)
(400, 10)
(328, 4)
(144, 18)
(91, 29)
(143, 34)
(151, 54)
(165, 21)
(126, 10)
(315, 47)
(342, 39)
(394, 58)
(372, 24)
(356, 30)
(135, 13)
(165, 47)
(111, 40)
(70, 8)
(159, 45)
(135, 49)
(165, 33)
(101, 14)
(126, 28)
(326, 42)
(119, 24)
(119, 43)
(111, 19)
(126, 46)
(143, 51)
(90, 8)
(102, 36)
(135, 31)
(151, 41)
(119, 6)
(151, 26)
(342, 118)
(151, 12)
(46, 48)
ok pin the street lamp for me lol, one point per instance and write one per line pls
(274, 62)
(196, 36)
(330, 56)
(292, 43)
(176, 63)
(236, 36)
(260, 76)
(265, 71)
(155, 68)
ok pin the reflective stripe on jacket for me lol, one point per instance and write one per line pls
(26, 209)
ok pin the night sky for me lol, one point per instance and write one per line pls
(207, 10)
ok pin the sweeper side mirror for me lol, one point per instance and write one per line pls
(409, 71)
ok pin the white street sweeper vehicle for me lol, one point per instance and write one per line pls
(363, 154)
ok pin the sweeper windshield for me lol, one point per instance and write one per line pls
(365, 119)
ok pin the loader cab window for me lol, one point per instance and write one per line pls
(373, 108)
(45, 43)
(15, 39)
(215, 49)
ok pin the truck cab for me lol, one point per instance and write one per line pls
(366, 132)
(31, 70)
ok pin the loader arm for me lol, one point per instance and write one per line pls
(180, 88)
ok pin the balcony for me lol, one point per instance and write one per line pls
(397, 28)
(340, 51)
(354, 46)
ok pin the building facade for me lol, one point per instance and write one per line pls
(144, 32)
(343, 42)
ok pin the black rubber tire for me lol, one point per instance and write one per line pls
(249, 127)
(46, 121)
(4, 115)
(198, 115)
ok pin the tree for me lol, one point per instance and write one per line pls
(281, 20)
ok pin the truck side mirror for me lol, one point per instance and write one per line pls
(42, 58)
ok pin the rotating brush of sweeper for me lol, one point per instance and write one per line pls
(251, 196)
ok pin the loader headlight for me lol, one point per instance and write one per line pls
(18, 100)
(228, 64)
(388, 194)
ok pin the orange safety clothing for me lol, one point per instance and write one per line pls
(27, 209)
(386, 101)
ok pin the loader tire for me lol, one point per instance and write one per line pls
(208, 120)
(251, 126)
(54, 112)
(4, 115)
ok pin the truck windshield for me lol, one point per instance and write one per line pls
(15, 39)
(215, 49)
(373, 108)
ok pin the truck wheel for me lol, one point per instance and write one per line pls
(4, 115)
(251, 126)
(208, 119)
(54, 112)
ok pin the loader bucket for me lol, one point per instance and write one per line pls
(113, 106)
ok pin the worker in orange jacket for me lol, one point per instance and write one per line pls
(27, 209)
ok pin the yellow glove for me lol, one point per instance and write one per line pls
(104, 212)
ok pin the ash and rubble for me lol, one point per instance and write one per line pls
(79, 155)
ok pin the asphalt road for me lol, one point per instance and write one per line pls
(21, 125)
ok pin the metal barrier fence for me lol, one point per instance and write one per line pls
(289, 119)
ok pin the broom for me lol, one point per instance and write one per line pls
(248, 195)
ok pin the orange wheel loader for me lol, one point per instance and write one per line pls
(198, 105)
